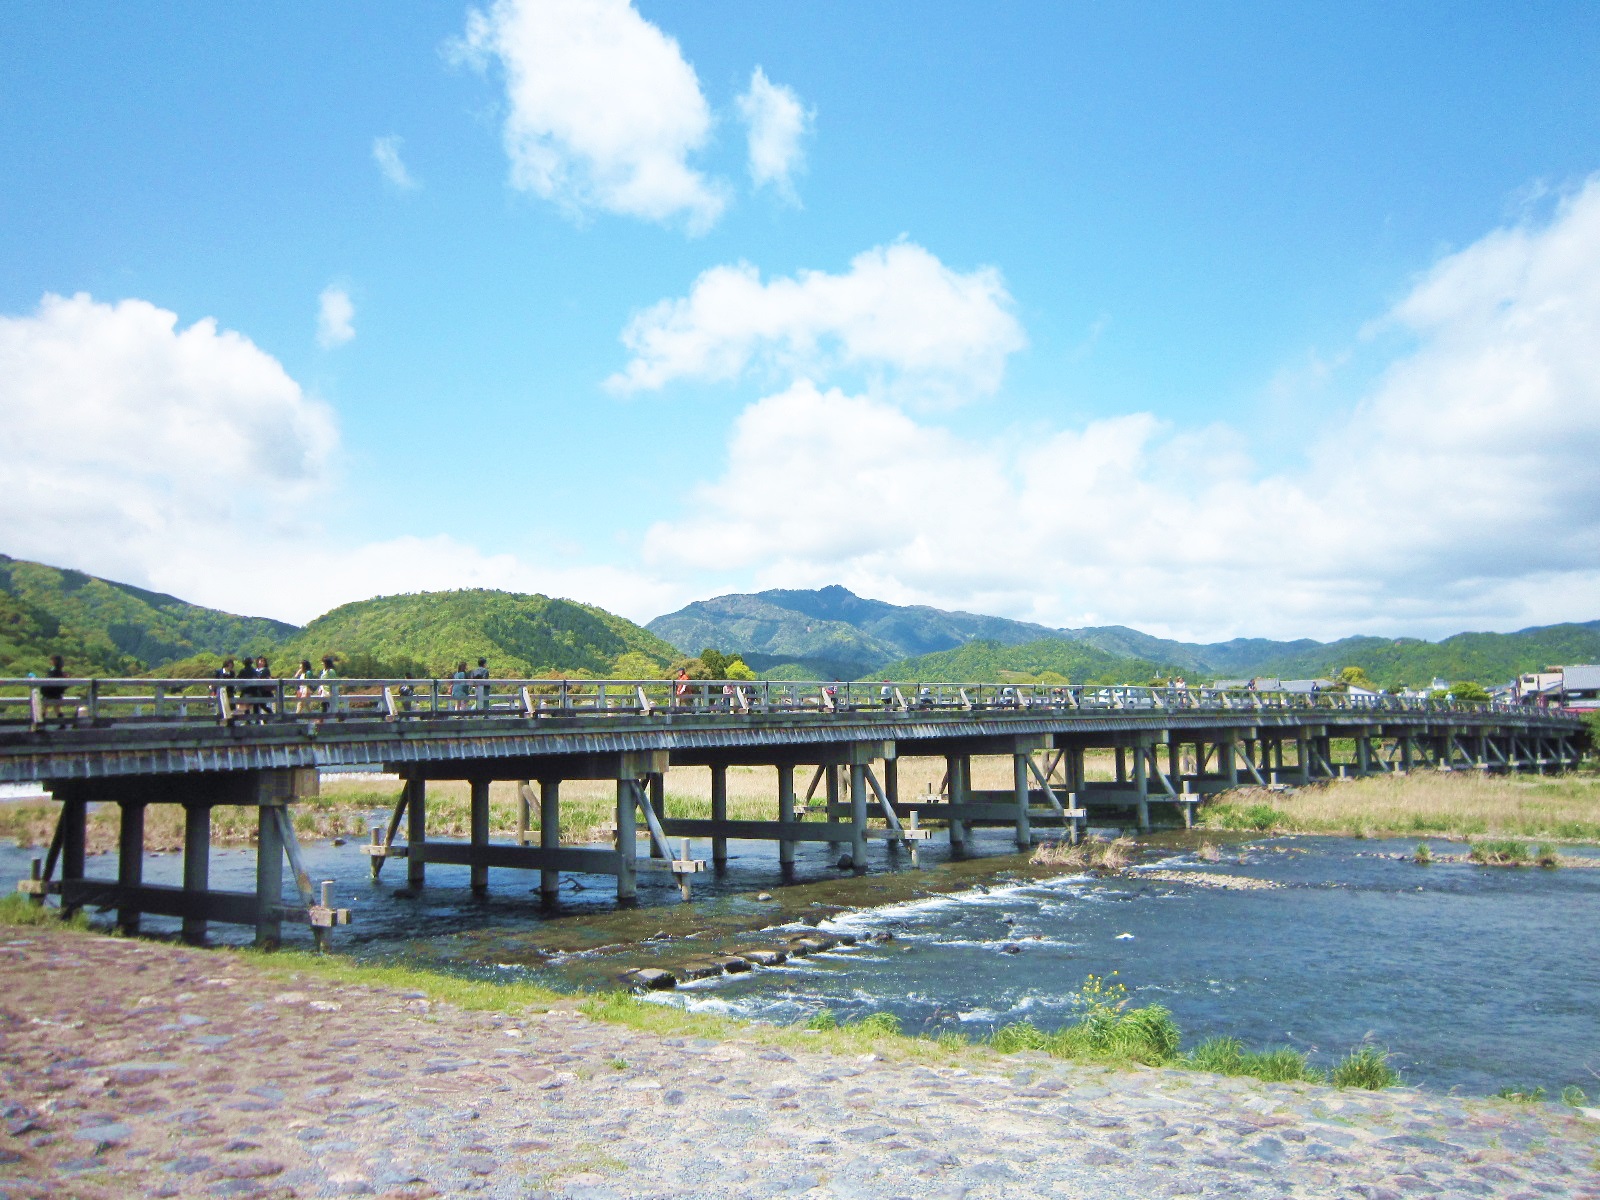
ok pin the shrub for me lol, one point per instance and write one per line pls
(1521, 1095)
(1547, 857)
(1423, 855)
(1365, 1067)
(822, 1020)
(1498, 854)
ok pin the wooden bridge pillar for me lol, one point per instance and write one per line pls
(1141, 785)
(1019, 783)
(858, 818)
(958, 784)
(130, 859)
(416, 831)
(1122, 765)
(785, 817)
(74, 843)
(196, 864)
(479, 818)
(549, 836)
(269, 877)
(627, 842)
(719, 813)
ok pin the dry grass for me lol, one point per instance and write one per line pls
(1456, 804)
(1091, 854)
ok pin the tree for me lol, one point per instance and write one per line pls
(634, 665)
(716, 663)
(1470, 692)
(1357, 677)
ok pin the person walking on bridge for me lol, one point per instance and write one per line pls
(481, 690)
(54, 695)
(458, 686)
(328, 692)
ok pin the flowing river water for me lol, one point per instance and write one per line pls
(1475, 978)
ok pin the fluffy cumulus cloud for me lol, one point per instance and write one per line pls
(602, 110)
(129, 438)
(386, 153)
(775, 124)
(336, 315)
(188, 460)
(898, 312)
(1462, 491)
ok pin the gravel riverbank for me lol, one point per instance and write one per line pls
(134, 1068)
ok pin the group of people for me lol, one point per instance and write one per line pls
(256, 700)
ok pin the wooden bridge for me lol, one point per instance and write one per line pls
(260, 744)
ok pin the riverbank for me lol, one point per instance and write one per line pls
(1456, 804)
(137, 1068)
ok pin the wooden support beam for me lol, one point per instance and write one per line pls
(582, 859)
(858, 818)
(197, 907)
(719, 812)
(416, 831)
(478, 818)
(196, 865)
(130, 861)
(627, 842)
(269, 878)
(549, 837)
(786, 821)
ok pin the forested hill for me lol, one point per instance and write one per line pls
(427, 633)
(106, 628)
(1486, 658)
(1048, 660)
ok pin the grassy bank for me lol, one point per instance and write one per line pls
(1108, 1031)
(1449, 804)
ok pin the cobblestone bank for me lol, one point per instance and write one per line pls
(139, 1069)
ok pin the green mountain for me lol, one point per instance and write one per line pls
(830, 632)
(1486, 658)
(833, 633)
(521, 635)
(107, 628)
(1048, 660)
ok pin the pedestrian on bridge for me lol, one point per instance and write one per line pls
(481, 671)
(327, 692)
(458, 688)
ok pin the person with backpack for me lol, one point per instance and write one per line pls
(481, 671)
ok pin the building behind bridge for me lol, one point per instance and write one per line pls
(1575, 687)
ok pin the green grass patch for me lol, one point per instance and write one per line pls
(17, 909)
(1228, 1056)
(1499, 853)
(1365, 1067)
(1257, 818)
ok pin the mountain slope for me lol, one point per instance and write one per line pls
(832, 628)
(1486, 658)
(521, 635)
(106, 628)
(831, 632)
(1056, 659)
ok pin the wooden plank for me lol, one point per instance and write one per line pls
(755, 831)
(235, 908)
(535, 858)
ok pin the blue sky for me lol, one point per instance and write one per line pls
(1213, 320)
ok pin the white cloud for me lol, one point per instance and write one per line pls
(386, 153)
(129, 439)
(602, 109)
(335, 317)
(775, 121)
(1462, 492)
(189, 461)
(898, 310)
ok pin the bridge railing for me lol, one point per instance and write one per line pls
(64, 702)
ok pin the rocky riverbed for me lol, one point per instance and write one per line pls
(133, 1068)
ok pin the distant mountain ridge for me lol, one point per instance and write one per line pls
(831, 632)
(107, 628)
